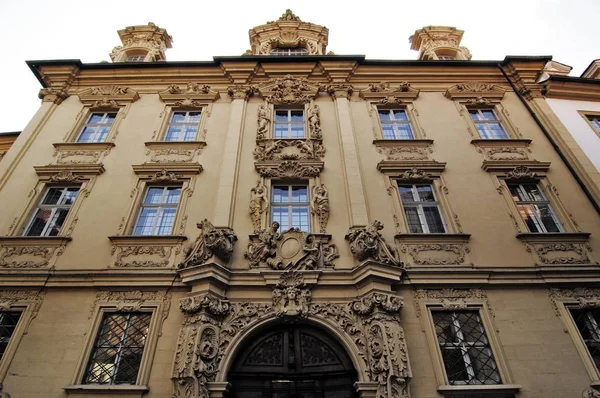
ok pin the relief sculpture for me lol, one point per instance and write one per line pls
(320, 206)
(211, 241)
(368, 243)
(258, 204)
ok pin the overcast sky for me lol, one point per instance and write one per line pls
(75, 29)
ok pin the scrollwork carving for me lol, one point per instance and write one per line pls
(66, 176)
(521, 172)
(368, 243)
(288, 90)
(579, 297)
(211, 241)
(165, 176)
(289, 150)
(414, 174)
(152, 256)
(289, 169)
(26, 256)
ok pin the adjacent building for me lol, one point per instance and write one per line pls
(295, 223)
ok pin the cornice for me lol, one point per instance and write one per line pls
(573, 88)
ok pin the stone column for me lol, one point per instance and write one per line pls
(218, 389)
(352, 174)
(223, 212)
(366, 389)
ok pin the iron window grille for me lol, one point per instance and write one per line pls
(395, 124)
(289, 123)
(422, 209)
(588, 324)
(466, 352)
(118, 350)
(8, 323)
(595, 122)
(183, 126)
(290, 207)
(97, 127)
(158, 210)
(534, 208)
(50, 214)
(488, 125)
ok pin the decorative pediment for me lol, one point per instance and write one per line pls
(108, 96)
(476, 93)
(289, 169)
(288, 90)
(193, 95)
(517, 169)
(70, 173)
(411, 169)
(385, 93)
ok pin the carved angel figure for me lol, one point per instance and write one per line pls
(258, 204)
(265, 247)
(320, 206)
(314, 122)
(263, 122)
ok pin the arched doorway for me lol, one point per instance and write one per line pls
(292, 361)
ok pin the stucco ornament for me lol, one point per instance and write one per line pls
(521, 172)
(289, 169)
(320, 205)
(368, 243)
(290, 250)
(264, 121)
(211, 241)
(288, 90)
(258, 204)
(288, 150)
(291, 296)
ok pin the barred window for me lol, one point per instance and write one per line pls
(534, 208)
(289, 123)
(488, 124)
(421, 209)
(8, 323)
(588, 322)
(289, 207)
(395, 124)
(183, 126)
(466, 351)
(51, 212)
(157, 213)
(97, 127)
(117, 353)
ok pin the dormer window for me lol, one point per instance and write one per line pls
(445, 57)
(289, 51)
(136, 58)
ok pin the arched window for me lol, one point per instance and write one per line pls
(289, 51)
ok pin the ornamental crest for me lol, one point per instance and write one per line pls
(288, 90)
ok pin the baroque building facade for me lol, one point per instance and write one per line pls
(295, 223)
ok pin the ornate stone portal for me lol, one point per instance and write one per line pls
(368, 326)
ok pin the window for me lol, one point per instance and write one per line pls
(97, 127)
(488, 124)
(289, 123)
(421, 209)
(51, 212)
(183, 126)
(445, 57)
(136, 58)
(466, 352)
(117, 352)
(158, 210)
(395, 124)
(290, 207)
(8, 323)
(595, 122)
(534, 208)
(588, 322)
(289, 51)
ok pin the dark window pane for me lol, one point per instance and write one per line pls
(434, 220)
(8, 323)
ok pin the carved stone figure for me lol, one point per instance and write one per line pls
(264, 247)
(314, 122)
(264, 121)
(258, 204)
(211, 241)
(320, 206)
(591, 393)
(367, 242)
(291, 297)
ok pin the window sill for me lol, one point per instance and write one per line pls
(571, 237)
(499, 390)
(434, 249)
(134, 240)
(557, 248)
(488, 142)
(416, 142)
(437, 237)
(76, 146)
(105, 389)
(505, 166)
(191, 145)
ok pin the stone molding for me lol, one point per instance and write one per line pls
(193, 95)
(558, 248)
(409, 170)
(435, 249)
(504, 149)
(68, 173)
(289, 149)
(289, 168)
(107, 97)
(73, 153)
(514, 170)
(55, 95)
(240, 91)
(155, 251)
(288, 90)
(404, 150)
(21, 252)
(385, 94)
(174, 151)
(212, 243)
(579, 297)
(475, 93)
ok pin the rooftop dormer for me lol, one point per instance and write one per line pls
(142, 43)
(288, 36)
(439, 43)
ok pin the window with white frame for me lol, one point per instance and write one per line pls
(118, 349)
(466, 353)
(289, 51)
(136, 58)
(487, 123)
(421, 208)
(395, 124)
(289, 123)
(290, 206)
(595, 122)
(588, 324)
(183, 126)
(534, 207)
(158, 210)
(8, 324)
(50, 214)
(97, 127)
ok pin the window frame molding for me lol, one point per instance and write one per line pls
(426, 300)
(156, 302)
(576, 298)
(511, 130)
(585, 114)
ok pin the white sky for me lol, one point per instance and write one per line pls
(79, 29)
